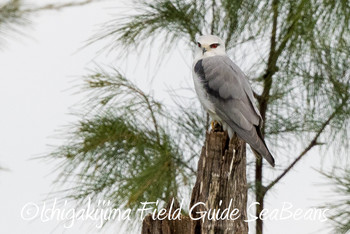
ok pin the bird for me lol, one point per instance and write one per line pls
(225, 93)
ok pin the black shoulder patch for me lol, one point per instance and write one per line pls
(199, 70)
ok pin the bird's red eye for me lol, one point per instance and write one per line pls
(199, 44)
(213, 46)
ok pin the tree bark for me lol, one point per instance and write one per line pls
(221, 184)
(166, 226)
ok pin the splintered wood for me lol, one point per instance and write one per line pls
(219, 197)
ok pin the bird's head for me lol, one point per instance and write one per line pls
(209, 45)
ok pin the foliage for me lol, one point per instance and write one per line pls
(10, 18)
(14, 14)
(310, 65)
(299, 71)
(129, 148)
(340, 210)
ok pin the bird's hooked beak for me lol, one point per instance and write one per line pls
(204, 50)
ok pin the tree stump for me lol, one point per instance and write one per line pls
(166, 226)
(221, 185)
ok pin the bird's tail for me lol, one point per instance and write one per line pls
(269, 158)
(263, 150)
(254, 138)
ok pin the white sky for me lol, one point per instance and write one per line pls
(37, 71)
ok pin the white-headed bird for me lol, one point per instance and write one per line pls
(225, 93)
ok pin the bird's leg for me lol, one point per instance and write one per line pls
(215, 126)
(213, 123)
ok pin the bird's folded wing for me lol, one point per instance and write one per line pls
(229, 90)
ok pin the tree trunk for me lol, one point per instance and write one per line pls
(220, 187)
(259, 195)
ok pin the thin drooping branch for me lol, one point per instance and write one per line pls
(297, 16)
(312, 143)
(58, 6)
(149, 106)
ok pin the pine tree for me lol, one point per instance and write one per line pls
(130, 148)
(340, 209)
(15, 14)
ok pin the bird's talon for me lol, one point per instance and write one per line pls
(213, 123)
(215, 126)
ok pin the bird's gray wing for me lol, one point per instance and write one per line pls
(231, 94)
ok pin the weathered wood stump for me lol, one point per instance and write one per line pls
(221, 184)
(166, 226)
